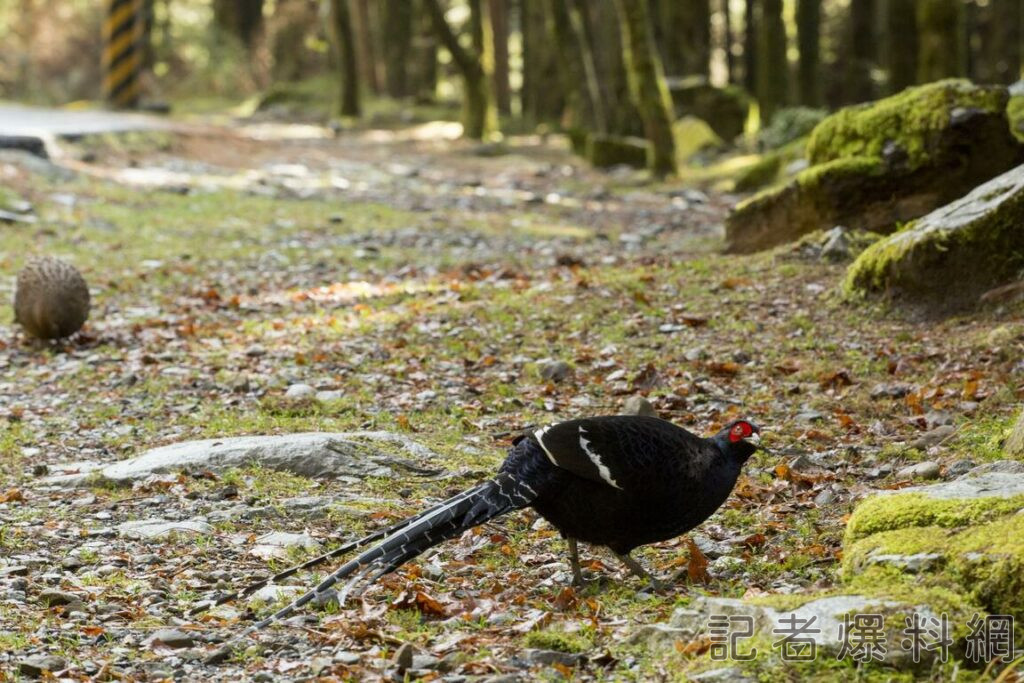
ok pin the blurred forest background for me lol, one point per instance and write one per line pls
(517, 64)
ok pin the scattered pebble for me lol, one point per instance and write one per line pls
(555, 371)
(921, 470)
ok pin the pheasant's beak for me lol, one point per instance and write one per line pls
(755, 439)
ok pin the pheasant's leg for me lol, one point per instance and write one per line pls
(638, 570)
(574, 561)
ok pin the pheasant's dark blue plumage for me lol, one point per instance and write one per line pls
(618, 481)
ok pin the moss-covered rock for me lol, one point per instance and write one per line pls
(1015, 113)
(692, 136)
(604, 151)
(880, 165)
(725, 109)
(974, 242)
(964, 536)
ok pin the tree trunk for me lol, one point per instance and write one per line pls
(579, 77)
(601, 26)
(682, 32)
(396, 39)
(727, 38)
(498, 10)
(424, 61)
(478, 116)
(808, 36)
(1004, 49)
(750, 31)
(940, 39)
(861, 39)
(541, 93)
(901, 18)
(364, 31)
(647, 83)
(772, 65)
(242, 19)
(343, 50)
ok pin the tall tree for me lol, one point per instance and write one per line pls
(396, 40)
(576, 61)
(363, 27)
(647, 83)
(423, 72)
(772, 65)
(808, 38)
(478, 117)
(541, 96)
(1003, 52)
(727, 39)
(499, 14)
(682, 32)
(901, 43)
(242, 19)
(940, 39)
(750, 32)
(343, 50)
(861, 40)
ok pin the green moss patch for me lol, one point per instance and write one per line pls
(915, 120)
(917, 510)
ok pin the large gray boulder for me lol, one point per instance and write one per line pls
(946, 260)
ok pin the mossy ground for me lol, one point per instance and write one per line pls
(428, 302)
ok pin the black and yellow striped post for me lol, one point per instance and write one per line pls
(122, 59)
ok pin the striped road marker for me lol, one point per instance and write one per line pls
(122, 59)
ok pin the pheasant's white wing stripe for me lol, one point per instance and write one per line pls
(595, 458)
(539, 435)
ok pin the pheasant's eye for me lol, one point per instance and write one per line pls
(739, 431)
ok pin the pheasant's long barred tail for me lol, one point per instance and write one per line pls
(322, 559)
(408, 539)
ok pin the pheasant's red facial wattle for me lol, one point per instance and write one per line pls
(740, 431)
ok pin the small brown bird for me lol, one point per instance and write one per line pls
(51, 299)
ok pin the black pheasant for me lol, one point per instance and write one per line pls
(617, 481)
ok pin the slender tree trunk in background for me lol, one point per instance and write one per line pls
(396, 40)
(940, 39)
(343, 51)
(861, 37)
(772, 65)
(647, 83)
(600, 21)
(477, 110)
(682, 32)
(808, 37)
(1003, 52)
(902, 47)
(498, 11)
(577, 66)
(242, 19)
(542, 96)
(730, 57)
(424, 61)
(362, 26)
(750, 31)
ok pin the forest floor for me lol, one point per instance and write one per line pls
(427, 282)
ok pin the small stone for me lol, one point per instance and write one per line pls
(824, 497)
(297, 391)
(921, 470)
(809, 416)
(550, 657)
(346, 658)
(13, 570)
(55, 598)
(837, 245)
(403, 657)
(421, 662)
(729, 674)
(891, 390)
(40, 664)
(638, 405)
(555, 371)
(171, 637)
(959, 468)
(933, 437)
